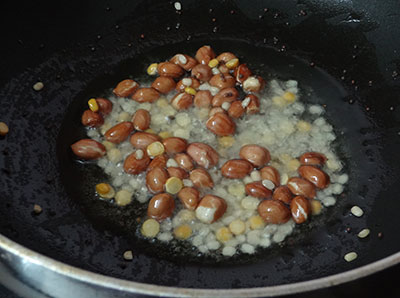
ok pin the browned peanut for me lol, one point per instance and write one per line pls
(174, 145)
(221, 124)
(205, 54)
(105, 106)
(283, 194)
(161, 206)
(203, 99)
(119, 132)
(236, 168)
(88, 149)
(251, 103)
(300, 209)
(182, 101)
(155, 179)
(253, 84)
(222, 81)
(216, 110)
(301, 187)
(201, 178)
(92, 119)
(187, 82)
(163, 84)
(312, 159)
(146, 95)
(236, 109)
(141, 119)
(184, 161)
(177, 172)
(211, 208)
(203, 154)
(242, 73)
(126, 88)
(273, 212)
(168, 69)
(271, 174)
(134, 166)
(223, 69)
(255, 154)
(202, 72)
(225, 57)
(184, 61)
(189, 197)
(225, 95)
(316, 176)
(257, 190)
(159, 161)
(141, 140)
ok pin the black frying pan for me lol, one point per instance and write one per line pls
(341, 52)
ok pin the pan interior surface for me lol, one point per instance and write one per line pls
(77, 229)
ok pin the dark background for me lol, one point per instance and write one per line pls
(32, 31)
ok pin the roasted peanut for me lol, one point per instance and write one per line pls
(312, 159)
(225, 95)
(300, 209)
(216, 110)
(88, 149)
(201, 178)
(159, 161)
(236, 168)
(204, 55)
(134, 165)
(126, 88)
(174, 145)
(189, 197)
(251, 103)
(182, 101)
(202, 72)
(177, 172)
(184, 61)
(168, 69)
(155, 179)
(141, 119)
(236, 109)
(222, 81)
(225, 57)
(253, 84)
(105, 106)
(119, 132)
(242, 73)
(255, 154)
(146, 95)
(315, 175)
(210, 209)
(141, 140)
(4, 129)
(184, 161)
(223, 69)
(203, 99)
(187, 82)
(283, 194)
(92, 119)
(273, 212)
(257, 190)
(161, 206)
(221, 124)
(301, 187)
(203, 154)
(271, 174)
(163, 84)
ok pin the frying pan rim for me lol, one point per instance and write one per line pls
(112, 283)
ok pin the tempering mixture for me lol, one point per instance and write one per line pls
(221, 158)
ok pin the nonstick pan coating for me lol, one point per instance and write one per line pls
(342, 54)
